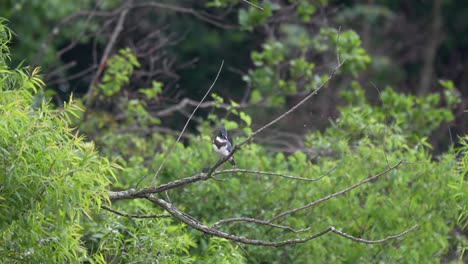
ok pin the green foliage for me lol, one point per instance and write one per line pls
(119, 69)
(53, 183)
(460, 194)
(397, 113)
(251, 17)
(305, 10)
(221, 251)
(154, 91)
(461, 187)
(279, 71)
(5, 37)
(123, 240)
(348, 48)
(52, 179)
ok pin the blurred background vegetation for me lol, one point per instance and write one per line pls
(127, 74)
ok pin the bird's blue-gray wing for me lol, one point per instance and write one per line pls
(229, 146)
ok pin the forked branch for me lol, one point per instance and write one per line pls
(194, 223)
(328, 197)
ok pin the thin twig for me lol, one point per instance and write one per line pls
(194, 223)
(292, 109)
(366, 241)
(338, 46)
(180, 9)
(258, 221)
(185, 127)
(61, 69)
(384, 143)
(252, 4)
(267, 173)
(188, 102)
(134, 215)
(328, 197)
(73, 76)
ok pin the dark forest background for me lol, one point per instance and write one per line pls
(413, 45)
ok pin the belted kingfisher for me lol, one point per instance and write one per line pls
(222, 145)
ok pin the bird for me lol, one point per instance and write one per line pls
(223, 146)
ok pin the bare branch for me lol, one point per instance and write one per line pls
(185, 126)
(252, 4)
(188, 102)
(338, 46)
(73, 76)
(194, 223)
(328, 197)
(142, 193)
(258, 221)
(133, 215)
(186, 11)
(267, 173)
(365, 241)
(56, 30)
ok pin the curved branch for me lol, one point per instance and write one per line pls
(258, 221)
(365, 241)
(142, 193)
(188, 102)
(186, 124)
(133, 215)
(328, 197)
(268, 173)
(183, 10)
(292, 109)
(194, 223)
(252, 4)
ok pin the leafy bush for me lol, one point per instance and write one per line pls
(51, 178)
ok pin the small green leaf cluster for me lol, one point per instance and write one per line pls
(410, 117)
(280, 68)
(251, 17)
(153, 91)
(242, 118)
(347, 45)
(119, 69)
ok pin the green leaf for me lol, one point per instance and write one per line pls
(229, 125)
(255, 97)
(246, 118)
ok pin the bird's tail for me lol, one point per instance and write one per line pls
(233, 163)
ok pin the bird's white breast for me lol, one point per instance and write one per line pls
(222, 151)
